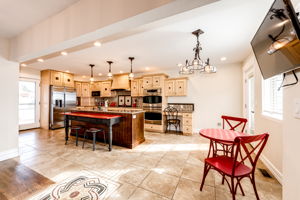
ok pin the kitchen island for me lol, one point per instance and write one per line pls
(129, 132)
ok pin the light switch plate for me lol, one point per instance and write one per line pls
(297, 108)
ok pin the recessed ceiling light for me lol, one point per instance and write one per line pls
(100, 74)
(223, 59)
(147, 68)
(97, 44)
(121, 71)
(83, 76)
(179, 64)
(40, 60)
(23, 65)
(67, 71)
(64, 53)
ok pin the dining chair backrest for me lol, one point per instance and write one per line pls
(245, 153)
(234, 123)
(171, 113)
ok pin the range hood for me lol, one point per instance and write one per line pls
(120, 82)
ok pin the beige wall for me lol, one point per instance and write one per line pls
(272, 154)
(4, 48)
(9, 109)
(213, 95)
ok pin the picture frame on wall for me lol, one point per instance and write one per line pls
(128, 101)
(121, 100)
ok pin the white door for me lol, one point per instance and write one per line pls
(29, 108)
(250, 102)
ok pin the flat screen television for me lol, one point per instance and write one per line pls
(276, 43)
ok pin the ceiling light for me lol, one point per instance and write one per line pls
(40, 60)
(223, 58)
(83, 76)
(131, 75)
(97, 44)
(109, 75)
(100, 74)
(67, 71)
(23, 65)
(121, 72)
(64, 53)
(147, 68)
(197, 64)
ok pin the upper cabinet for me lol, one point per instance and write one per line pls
(141, 87)
(68, 80)
(56, 78)
(135, 87)
(78, 89)
(96, 86)
(85, 90)
(60, 78)
(154, 81)
(176, 87)
(106, 89)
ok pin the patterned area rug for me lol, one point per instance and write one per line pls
(82, 187)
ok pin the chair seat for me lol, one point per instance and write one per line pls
(94, 130)
(225, 165)
(76, 127)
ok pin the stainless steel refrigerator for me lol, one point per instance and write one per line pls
(62, 99)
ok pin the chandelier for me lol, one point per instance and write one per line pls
(109, 75)
(92, 73)
(197, 65)
(131, 75)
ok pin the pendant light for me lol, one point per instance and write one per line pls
(131, 75)
(110, 75)
(197, 64)
(92, 73)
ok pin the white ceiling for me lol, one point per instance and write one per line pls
(18, 15)
(229, 26)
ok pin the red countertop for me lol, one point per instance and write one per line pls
(93, 115)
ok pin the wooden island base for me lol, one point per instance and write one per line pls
(128, 133)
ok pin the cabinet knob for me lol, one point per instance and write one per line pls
(56, 78)
(169, 87)
(180, 87)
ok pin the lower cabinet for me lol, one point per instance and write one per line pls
(154, 127)
(187, 119)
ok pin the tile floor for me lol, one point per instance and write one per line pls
(165, 166)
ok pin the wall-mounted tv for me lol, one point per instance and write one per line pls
(276, 43)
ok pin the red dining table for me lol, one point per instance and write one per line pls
(219, 135)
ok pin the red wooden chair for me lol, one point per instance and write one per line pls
(234, 166)
(232, 123)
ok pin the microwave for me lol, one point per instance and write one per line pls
(96, 93)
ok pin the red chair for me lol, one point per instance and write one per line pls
(234, 166)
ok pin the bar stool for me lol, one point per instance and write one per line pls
(94, 131)
(76, 129)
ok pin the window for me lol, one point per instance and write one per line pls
(272, 97)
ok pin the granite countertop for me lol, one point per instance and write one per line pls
(110, 110)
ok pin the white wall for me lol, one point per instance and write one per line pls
(213, 95)
(4, 48)
(9, 90)
(272, 154)
(29, 73)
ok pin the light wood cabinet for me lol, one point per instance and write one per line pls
(157, 81)
(176, 87)
(154, 127)
(147, 82)
(96, 86)
(56, 78)
(106, 89)
(141, 87)
(85, 90)
(68, 80)
(187, 121)
(78, 89)
(135, 87)
(170, 87)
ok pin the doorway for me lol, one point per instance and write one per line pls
(250, 101)
(29, 106)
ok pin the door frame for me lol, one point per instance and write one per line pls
(37, 111)
(248, 72)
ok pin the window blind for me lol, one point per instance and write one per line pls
(271, 96)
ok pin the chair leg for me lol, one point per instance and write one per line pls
(232, 189)
(205, 172)
(104, 137)
(83, 139)
(254, 186)
(166, 128)
(94, 141)
(76, 137)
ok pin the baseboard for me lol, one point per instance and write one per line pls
(272, 168)
(4, 155)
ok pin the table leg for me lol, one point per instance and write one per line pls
(66, 129)
(110, 137)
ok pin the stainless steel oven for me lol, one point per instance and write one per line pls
(153, 117)
(152, 105)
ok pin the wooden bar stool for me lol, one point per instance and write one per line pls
(76, 129)
(94, 131)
